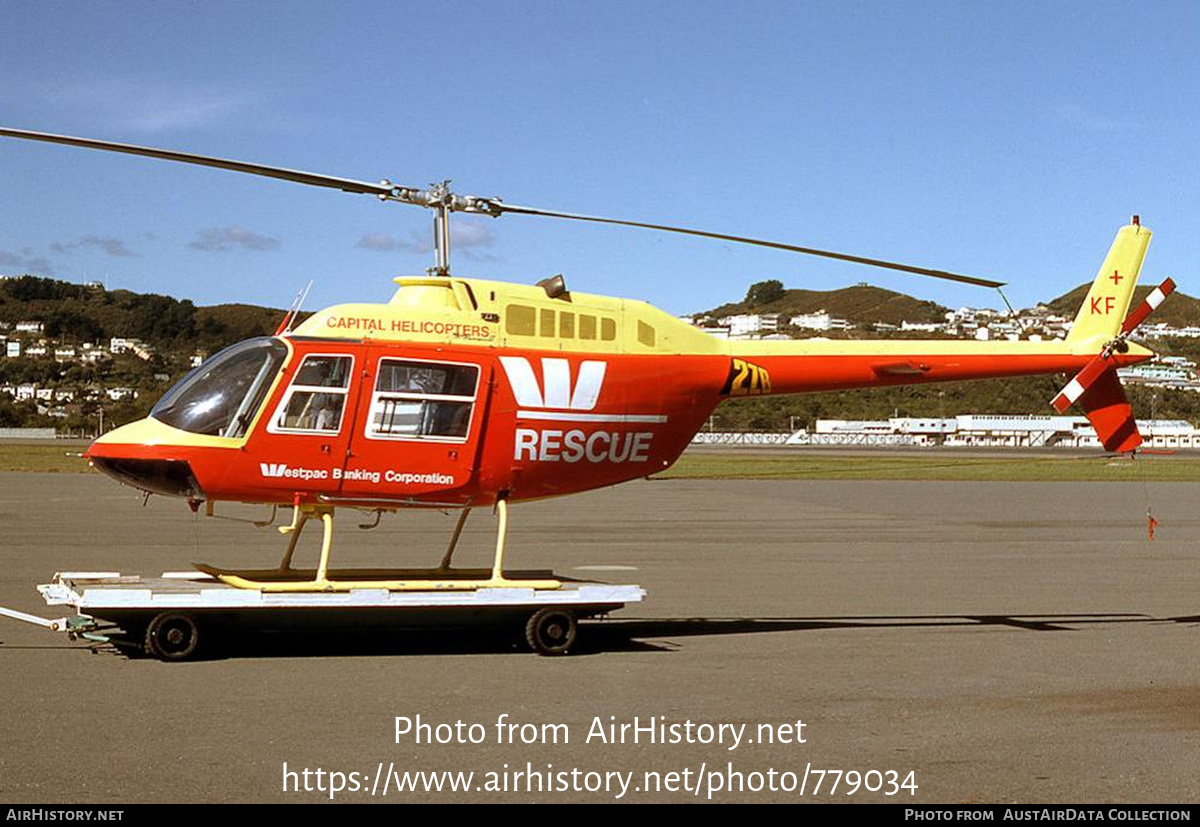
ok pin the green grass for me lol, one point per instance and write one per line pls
(774, 465)
(797, 464)
(43, 457)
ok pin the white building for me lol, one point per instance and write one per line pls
(812, 321)
(821, 320)
(118, 344)
(923, 327)
(750, 323)
(996, 431)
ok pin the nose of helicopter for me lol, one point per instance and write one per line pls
(147, 455)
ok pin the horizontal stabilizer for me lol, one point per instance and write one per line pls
(900, 369)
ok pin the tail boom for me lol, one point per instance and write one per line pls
(807, 367)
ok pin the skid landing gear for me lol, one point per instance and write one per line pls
(443, 578)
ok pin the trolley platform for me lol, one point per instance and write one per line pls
(172, 615)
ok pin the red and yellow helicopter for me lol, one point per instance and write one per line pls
(462, 393)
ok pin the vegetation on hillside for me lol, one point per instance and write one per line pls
(77, 314)
(81, 313)
(862, 303)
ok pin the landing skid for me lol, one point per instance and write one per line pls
(443, 578)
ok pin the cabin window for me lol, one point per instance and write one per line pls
(422, 400)
(608, 329)
(519, 320)
(566, 325)
(645, 334)
(548, 323)
(587, 327)
(316, 400)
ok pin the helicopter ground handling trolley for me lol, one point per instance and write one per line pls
(176, 615)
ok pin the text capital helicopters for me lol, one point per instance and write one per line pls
(462, 393)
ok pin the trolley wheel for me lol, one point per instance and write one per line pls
(172, 636)
(551, 631)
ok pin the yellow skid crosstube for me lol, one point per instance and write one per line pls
(426, 580)
(286, 579)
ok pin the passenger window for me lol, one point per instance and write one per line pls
(587, 327)
(566, 325)
(422, 400)
(547, 323)
(608, 329)
(315, 401)
(518, 320)
(645, 334)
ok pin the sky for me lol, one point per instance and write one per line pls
(1007, 140)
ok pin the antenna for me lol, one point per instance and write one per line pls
(289, 317)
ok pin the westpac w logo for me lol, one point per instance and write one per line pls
(272, 469)
(282, 470)
(557, 391)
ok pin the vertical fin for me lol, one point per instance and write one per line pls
(1104, 308)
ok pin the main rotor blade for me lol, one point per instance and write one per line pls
(298, 176)
(439, 196)
(890, 265)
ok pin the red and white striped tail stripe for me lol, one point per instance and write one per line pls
(1082, 381)
(1148, 306)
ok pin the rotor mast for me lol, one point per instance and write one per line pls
(443, 202)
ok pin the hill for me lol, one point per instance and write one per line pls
(861, 303)
(84, 313)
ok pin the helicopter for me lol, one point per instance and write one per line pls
(464, 393)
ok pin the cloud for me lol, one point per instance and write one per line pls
(233, 237)
(113, 246)
(379, 242)
(465, 236)
(25, 262)
(177, 114)
(141, 104)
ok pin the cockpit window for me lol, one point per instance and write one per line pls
(223, 395)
